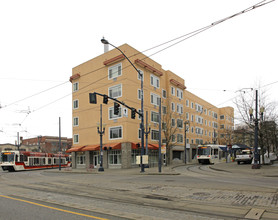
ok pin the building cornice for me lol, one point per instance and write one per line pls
(148, 67)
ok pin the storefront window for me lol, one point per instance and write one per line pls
(135, 152)
(115, 157)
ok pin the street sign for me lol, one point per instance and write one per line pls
(125, 112)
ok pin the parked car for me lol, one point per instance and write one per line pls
(244, 156)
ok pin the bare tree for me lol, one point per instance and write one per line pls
(170, 128)
(267, 132)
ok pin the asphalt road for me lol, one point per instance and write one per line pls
(199, 192)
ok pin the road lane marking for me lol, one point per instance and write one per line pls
(49, 207)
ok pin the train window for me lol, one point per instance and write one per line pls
(43, 161)
(31, 161)
(21, 158)
(25, 158)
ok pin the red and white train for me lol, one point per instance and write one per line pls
(25, 160)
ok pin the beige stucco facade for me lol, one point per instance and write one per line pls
(112, 74)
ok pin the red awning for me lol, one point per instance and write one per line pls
(114, 146)
(96, 147)
(75, 149)
(150, 146)
(91, 147)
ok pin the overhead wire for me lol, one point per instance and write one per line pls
(183, 38)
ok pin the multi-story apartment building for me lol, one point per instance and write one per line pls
(112, 74)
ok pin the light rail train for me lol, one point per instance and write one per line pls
(210, 153)
(25, 160)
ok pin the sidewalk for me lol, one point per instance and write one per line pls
(233, 167)
(165, 170)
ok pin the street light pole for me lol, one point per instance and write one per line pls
(185, 130)
(104, 41)
(101, 131)
(256, 165)
(148, 130)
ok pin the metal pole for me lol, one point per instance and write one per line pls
(159, 138)
(101, 132)
(146, 132)
(142, 122)
(18, 144)
(185, 123)
(256, 154)
(142, 103)
(60, 143)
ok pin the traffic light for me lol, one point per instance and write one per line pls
(133, 113)
(116, 108)
(93, 98)
(105, 99)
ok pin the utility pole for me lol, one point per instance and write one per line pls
(101, 131)
(148, 130)
(60, 152)
(185, 130)
(159, 139)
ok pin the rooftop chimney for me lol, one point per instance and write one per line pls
(106, 48)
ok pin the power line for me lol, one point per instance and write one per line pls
(20, 100)
(183, 38)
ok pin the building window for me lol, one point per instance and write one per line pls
(80, 159)
(179, 138)
(75, 121)
(164, 126)
(164, 94)
(164, 110)
(154, 117)
(172, 91)
(155, 135)
(173, 122)
(139, 94)
(222, 117)
(115, 91)
(192, 105)
(115, 157)
(179, 93)
(187, 116)
(135, 152)
(179, 108)
(115, 71)
(139, 75)
(75, 139)
(155, 99)
(112, 115)
(75, 104)
(173, 138)
(115, 132)
(75, 86)
(155, 81)
(187, 103)
(179, 123)
(173, 106)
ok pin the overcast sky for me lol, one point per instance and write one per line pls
(41, 41)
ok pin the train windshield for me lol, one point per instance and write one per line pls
(204, 151)
(7, 157)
